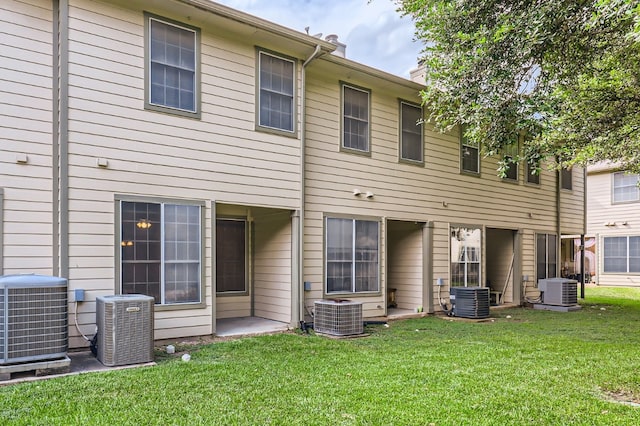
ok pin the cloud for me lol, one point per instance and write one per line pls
(374, 32)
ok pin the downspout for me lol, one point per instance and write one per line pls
(558, 224)
(55, 116)
(316, 53)
(63, 137)
(584, 231)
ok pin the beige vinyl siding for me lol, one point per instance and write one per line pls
(272, 267)
(571, 205)
(219, 157)
(601, 211)
(405, 263)
(436, 193)
(26, 130)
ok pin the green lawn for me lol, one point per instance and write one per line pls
(521, 367)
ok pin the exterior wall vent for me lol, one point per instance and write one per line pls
(470, 302)
(33, 318)
(338, 317)
(125, 329)
(559, 291)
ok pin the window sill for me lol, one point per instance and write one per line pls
(179, 306)
(280, 132)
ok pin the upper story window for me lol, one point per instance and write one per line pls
(511, 152)
(566, 178)
(172, 81)
(469, 154)
(276, 92)
(625, 187)
(533, 175)
(411, 141)
(355, 119)
(161, 251)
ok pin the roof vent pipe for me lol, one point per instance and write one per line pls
(341, 48)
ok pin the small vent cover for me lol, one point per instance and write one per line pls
(338, 318)
(125, 329)
(33, 318)
(470, 302)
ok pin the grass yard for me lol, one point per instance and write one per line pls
(521, 367)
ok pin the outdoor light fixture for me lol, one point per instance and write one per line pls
(357, 192)
(369, 194)
(126, 243)
(143, 224)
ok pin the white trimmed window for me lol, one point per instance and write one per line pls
(469, 154)
(466, 248)
(621, 254)
(546, 256)
(161, 251)
(352, 256)
(276, 92)
(625, 187)
(355, 119)
(172, 67)
(411, 145)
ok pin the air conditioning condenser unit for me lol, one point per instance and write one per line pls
(125, 329)
(338, 317)
(470, 302)
(559, 291)
(33, 318)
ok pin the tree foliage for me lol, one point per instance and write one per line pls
(565, 74)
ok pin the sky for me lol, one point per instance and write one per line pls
(375, 34)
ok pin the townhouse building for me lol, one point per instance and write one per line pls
(231, 168)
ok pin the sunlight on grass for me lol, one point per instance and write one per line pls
(523, 366)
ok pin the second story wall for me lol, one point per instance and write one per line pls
(26, 137)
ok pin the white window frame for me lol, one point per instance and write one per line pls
(627, 255)
(288, 130)
(416, 131)
(345, 117)
(465, 254)
(353, 260)
(625, 181)
(150, 20)
(120, 243)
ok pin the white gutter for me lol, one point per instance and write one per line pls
(303, 93)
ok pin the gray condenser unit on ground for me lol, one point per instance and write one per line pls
(33, 318)
(470, 302)
(125, 329)
(558, 291)
(338, 317)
